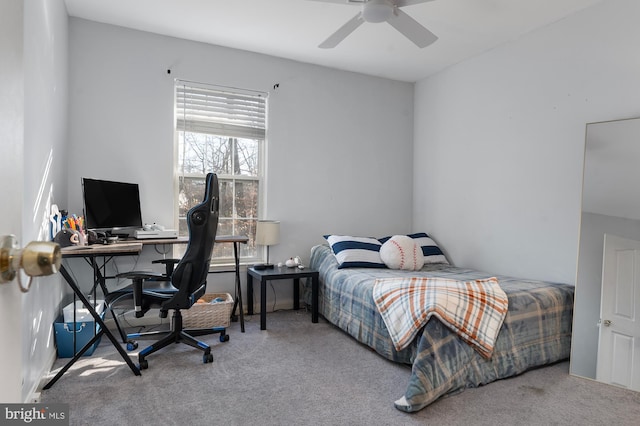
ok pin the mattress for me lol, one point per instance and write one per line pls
(536, 330)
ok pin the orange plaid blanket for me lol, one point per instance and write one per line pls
(473, 309)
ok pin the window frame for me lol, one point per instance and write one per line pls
(260, 178)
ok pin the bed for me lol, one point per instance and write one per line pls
(536, 330)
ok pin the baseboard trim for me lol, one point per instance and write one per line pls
(34, 394)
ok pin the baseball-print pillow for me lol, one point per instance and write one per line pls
(402, 252)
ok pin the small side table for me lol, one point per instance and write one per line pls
(281, 273)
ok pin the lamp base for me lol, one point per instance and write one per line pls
(263, 266)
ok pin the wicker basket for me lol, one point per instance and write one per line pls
(207, 315)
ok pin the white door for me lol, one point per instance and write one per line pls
(619, 345)
(11, 179)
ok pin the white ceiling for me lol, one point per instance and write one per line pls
(293, 29)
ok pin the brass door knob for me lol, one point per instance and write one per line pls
(38, 258)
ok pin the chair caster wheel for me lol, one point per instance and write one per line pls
(132, 345)
(144, 364)
(224, 337)
(206, 358)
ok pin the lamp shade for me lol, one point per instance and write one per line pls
(268, 232)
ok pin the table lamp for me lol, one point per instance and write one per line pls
(267, 234)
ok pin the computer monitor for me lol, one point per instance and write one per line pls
(111, 206)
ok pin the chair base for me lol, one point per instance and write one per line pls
(176, 335)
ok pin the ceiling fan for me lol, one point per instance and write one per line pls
(375, 11)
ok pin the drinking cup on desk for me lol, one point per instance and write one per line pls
(67, 237)
(77, 239)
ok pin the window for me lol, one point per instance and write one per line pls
(221, 130)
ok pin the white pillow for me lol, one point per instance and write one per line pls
(402, 252)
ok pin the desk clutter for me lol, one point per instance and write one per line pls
(67, 230)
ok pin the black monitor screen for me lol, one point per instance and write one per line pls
(109, 205)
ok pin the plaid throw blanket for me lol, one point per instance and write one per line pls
(474, 309)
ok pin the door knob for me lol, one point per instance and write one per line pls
(38, 258)
(606, 323)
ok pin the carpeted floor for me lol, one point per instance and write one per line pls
(299, 373)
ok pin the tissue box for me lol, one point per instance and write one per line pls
(82, 313)
(84, 331)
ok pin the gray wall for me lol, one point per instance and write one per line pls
(339, 143)
(499, 141)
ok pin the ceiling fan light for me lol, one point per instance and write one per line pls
(376, 11)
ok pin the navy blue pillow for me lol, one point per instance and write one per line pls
(356, 252)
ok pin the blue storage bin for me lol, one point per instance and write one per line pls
(84, 332)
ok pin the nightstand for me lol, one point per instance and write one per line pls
(281, 273)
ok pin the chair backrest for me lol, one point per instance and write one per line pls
(190, 274)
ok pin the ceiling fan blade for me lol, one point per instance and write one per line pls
(342, 32)
(411, 29)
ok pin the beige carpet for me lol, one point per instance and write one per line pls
(299, 373)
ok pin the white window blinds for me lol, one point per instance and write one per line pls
(220, 111)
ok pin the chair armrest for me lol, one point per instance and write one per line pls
(141, 275)
(137, 278)
(166, 261)
(169, 264)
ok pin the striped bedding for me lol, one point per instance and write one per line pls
(536, 330)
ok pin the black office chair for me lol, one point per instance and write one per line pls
(148, 290)
(169, 266)
(189, 278)
(156, 288)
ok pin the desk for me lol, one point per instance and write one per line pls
(135, 247)
(236, 240)
(127, 248)
(90, 253)
(281, 273)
